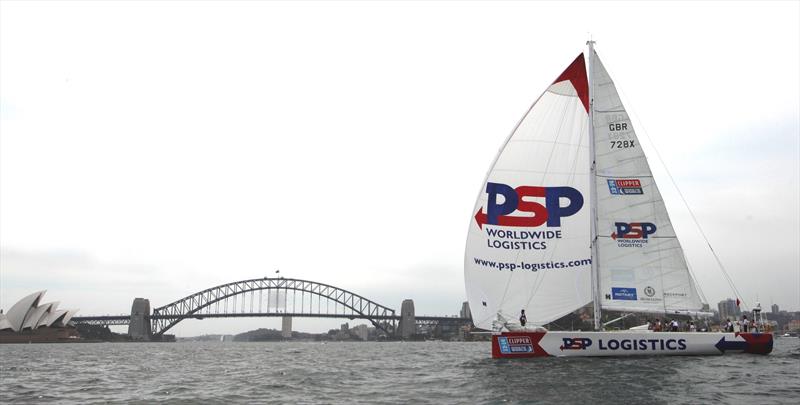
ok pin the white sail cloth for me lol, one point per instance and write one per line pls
(640, 261)
(528, 245)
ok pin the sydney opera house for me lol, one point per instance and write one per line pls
(29, 321)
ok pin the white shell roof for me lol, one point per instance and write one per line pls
(19, 311)
(4, 323)
(43, 320)
(70, 314)
(28, 314)
(34, 315)
(54, 316)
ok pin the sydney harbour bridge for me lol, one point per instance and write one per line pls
(272, 297)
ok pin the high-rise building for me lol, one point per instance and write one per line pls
(775, 309)
(362, 332)
(728, 309)
(465, 312)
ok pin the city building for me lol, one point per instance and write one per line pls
(362, 331)
(728, 309)
(775, 309)
(465, 312)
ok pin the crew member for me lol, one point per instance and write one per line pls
(522, 318)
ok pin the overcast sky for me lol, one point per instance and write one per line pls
(157, 149)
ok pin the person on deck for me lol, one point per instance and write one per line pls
(657, 326)
(745, 323)
(673, 325)
(522, 318)
(692, 328)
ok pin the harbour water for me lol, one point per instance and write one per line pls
(381, 372)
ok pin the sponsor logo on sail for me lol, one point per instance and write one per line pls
(526, 207)
(676, 294)
(625, 186)
(623, 293)
(519, 199)
(649, 291)
(515, 344)
(633, 234)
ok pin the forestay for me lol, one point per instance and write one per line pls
(529, 245)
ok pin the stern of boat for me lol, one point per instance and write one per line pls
(756, 343)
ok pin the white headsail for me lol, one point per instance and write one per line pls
(528, 243)
(640, 261)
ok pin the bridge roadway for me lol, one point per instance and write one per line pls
(126, 319)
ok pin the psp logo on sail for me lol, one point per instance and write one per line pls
(504, 200)
(633, 234)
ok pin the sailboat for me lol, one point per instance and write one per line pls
(569, 214)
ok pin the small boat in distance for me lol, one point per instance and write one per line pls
(569, 214)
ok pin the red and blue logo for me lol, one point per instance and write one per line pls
(517, 199)
(633, 230)
(575, 343)
(625, 186)
(515, 344)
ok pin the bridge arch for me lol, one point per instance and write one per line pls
(201, 303)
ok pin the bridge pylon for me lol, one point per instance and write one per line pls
(408, 323)
(139, 327)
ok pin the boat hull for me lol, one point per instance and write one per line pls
(623, 343)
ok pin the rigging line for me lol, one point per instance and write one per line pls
(691, 213)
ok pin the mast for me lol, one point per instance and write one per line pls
(593, 191)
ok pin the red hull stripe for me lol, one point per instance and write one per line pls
(576, 74)
(518, 344)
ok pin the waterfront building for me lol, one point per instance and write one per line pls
(27, 321)
(728, 309)
(465, 312)
(775, 309)
(362, 331)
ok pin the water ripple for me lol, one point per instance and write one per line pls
(381, 373)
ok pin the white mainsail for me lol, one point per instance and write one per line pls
(528, 246)
(640, 261)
